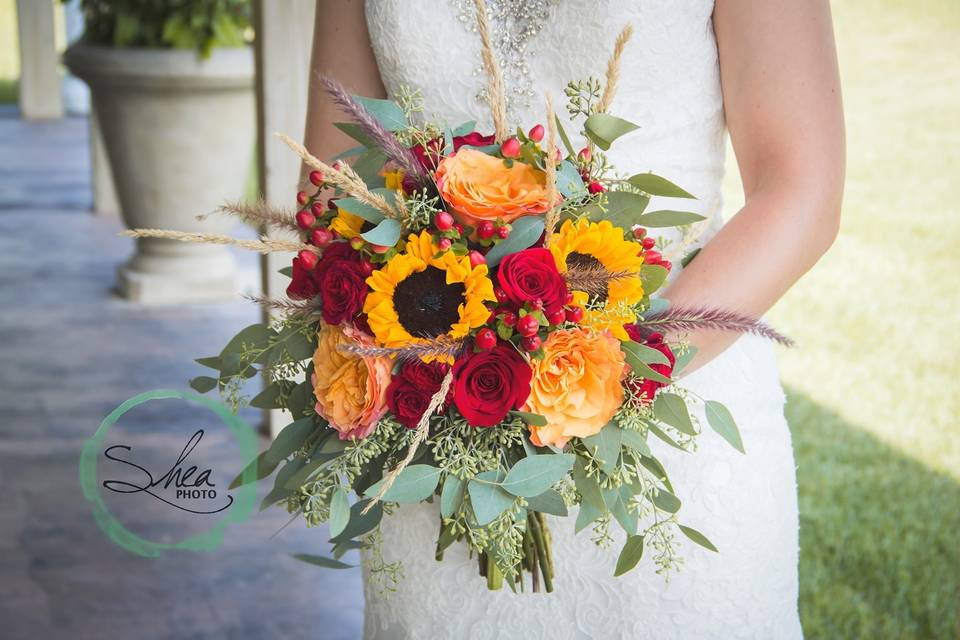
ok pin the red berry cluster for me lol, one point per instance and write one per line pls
(649, 253)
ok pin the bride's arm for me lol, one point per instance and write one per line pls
(781, 95)
(341, 48)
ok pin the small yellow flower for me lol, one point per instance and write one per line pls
(423, 293)
(393, 180)
(589, 244)
(347, 224)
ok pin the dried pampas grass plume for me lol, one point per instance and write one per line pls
(263, 245)
(553, 214)
(613, 69)
(495, 90)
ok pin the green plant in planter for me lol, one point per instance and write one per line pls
(179, 24)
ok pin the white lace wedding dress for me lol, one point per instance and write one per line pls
(746, 504)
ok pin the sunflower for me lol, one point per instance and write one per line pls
(586, 245)
(422, 294)
(349, 225)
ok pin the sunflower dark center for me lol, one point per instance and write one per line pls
(426, 305)
(586, 263)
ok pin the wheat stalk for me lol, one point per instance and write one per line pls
(613, 69)
(344, 177)
(423, 428)
(294, 307)
(553, 213)
(594, 280)
(495, 91)
(436, 348)
(257, 214)
(263, 245)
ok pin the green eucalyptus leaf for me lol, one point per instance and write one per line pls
(666, 218)
(683, 360)
(256, 336)
(286, 271)
(569, 182)
(203, 384)
(361, 209)
(368, 166)
(592, 505)
(465, 128)
(658, 186)
(672, 410)
(666, 501)
(723, 423)
(643, 370)
(258, 469)
(623, 209)
(339, 512)
(387, 233)
(687, 259)
(487, 497)
(356, 132)
(607, 444)
(451, 495)
(657, 431)
(652, 276)
(213, 362)
(280, 490)
(290, 439)
(635, 441)
(653, 466)
(550, 501)
(603, 129)
(641, 352)
(415, 483)
(630, 555)
(360, 523)
(533, 475)
(526, 231)
(269, 397)
(386, 112)
(322, 561)
(532, 419)
(698, 537)
(300, 399)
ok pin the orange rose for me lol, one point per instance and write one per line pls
(351, 390)
(576, 386)
(481, 187)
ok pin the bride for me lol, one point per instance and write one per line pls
(695, 69)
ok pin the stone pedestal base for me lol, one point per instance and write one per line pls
(169, 272)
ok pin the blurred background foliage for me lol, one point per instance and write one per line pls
(873, 387)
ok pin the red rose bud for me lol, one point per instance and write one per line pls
(557, 317)
(308, 258)
(530, 343)
(510, 148)
(317, 209)
(509, 318)
(444, 244)
(321, 237)
(302, 198)
(584, 154)
(485, 230)
(639, 233)
(649, 243)
(528, 326)
(531, 275)
(366, 267)
(305, 220)
(575, 314)
(316, 178)
(501, 295)
(443, 221)
(536, 134)
(486, 339)
(503, 232)
(595, 187)
(476, 258)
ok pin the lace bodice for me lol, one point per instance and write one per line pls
(746, 504)
(669, 81)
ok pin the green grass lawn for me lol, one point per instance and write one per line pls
(872, 388)
(873, 385)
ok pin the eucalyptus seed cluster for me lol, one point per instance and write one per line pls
(583, 96)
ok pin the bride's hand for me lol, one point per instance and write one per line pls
(781, 94)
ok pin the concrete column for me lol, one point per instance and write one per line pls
(40, 97)
(284, 36)
(104, 192)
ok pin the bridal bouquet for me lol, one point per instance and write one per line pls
(470, 321)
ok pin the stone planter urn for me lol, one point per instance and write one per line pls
(179, 133)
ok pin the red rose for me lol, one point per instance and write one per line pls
(646, 387)
(302, 285)
(412, 388)
(488, 384)
(340, 283)
(531, 275)
(474, 139)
